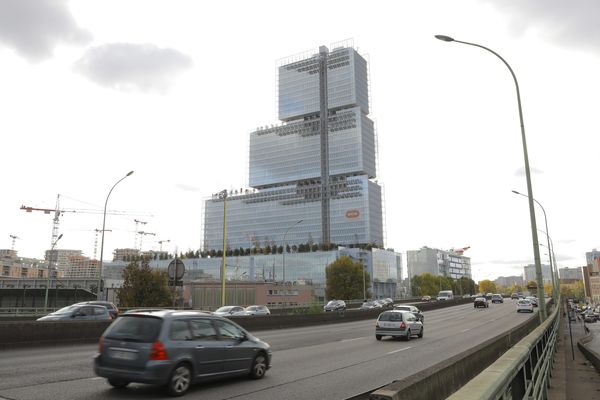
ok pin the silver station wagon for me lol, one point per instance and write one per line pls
(176, 349)
(398, 323)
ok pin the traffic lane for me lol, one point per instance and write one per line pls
(291, 366)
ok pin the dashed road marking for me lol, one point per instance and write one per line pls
(399, 350)
(351, 340)
(465, 330)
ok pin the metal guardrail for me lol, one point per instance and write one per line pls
(523, 372)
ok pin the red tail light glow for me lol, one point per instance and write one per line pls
(402, 326)
(158, 351)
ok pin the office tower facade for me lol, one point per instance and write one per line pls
(530, 275)
(295, 177)
(438, 263)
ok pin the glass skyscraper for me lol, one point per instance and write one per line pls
(285, 165)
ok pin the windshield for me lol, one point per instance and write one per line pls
(332, 303)
(224, 309)
(391, 316)
(402, 308)
(135, 328)
(66, 310)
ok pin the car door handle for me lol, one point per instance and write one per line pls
(199, 346)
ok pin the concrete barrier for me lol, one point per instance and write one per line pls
(31, 333)
(444, 378)
(587, 351)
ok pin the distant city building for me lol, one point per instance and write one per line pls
(20, 267)
(508, 281)
(60, 260)
(285, 170)
(438, 262)
(570, 273)
(82, 267)
(591, 276)
(530, 274)
(125, 254)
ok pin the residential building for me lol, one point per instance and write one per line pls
(508, 281)
(570, 273)
(12, 266)
(591, 276)
(60, 260)
(82, 267)
(530, 274)
(126, 254)
(285, 165)
(438, 262)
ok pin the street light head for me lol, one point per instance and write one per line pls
(129, 173)
(444, 38)
(59, 236)
(515, 192)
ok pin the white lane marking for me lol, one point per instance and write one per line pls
(396, 351)
(465, 330)
(351, 340)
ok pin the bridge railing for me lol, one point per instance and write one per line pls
(523, 372)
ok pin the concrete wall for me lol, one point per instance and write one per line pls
(588, 351)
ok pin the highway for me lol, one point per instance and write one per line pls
(336, 361)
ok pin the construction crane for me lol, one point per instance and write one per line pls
(142, 234)
(460, 251)
(96, 240)
(60, 211)
(13, 237)
(137, 223)
(160, 242)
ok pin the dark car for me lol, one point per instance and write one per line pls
(481, 302)
(79, 312)
(335, 305)
(497, 298)
(412, 309)
(112, 309)
(177, 349)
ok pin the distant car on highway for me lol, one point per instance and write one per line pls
(514, 296)
(524, 305)
(445, 295)
(228, 311)
(335, 305)
(175, 349)
(76, 312)
(497, 298)
(411, 309)
(113, 310)
(257, 310)
(533, 300)
(426, 298)
(398, 324)
(369, 305)
(480, 302)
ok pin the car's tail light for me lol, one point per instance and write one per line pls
(158, 351)
(402, 326)
(100, 344)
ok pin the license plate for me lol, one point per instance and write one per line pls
(123, 355)
(390, 325)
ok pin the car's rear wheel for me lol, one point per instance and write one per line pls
(408, 335)
(259, 367)
(180, 380)
(378, 337)
(118, 384)
(421, 333)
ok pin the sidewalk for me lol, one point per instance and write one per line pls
(574, 379)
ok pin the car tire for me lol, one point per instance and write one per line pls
(259, 366)
(180, 380)
(408, 335)
(117, 384)
(378, 337)
(421, 333)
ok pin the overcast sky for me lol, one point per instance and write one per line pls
(91, 90)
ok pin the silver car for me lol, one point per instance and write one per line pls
(256, 310)
(227, 311)
(177, 349)
(79, 312)
(397, 323)
(411, 309)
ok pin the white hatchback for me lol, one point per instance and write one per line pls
(524, 305)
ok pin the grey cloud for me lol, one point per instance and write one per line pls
(128, 66)
(569, 24)
(521, 171)
(33, 28)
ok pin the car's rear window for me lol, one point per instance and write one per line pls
(392, 316)
(135, 328)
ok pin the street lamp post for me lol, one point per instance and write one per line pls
(223, 195)
(548, 240)
(49, 268)
(99, 294)
(284, 246)
(536, 249)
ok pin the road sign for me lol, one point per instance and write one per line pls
(176, 269)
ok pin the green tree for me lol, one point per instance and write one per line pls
(429, 285)
(143, 287)
(344, 279)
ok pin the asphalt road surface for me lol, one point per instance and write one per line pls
(336, 361)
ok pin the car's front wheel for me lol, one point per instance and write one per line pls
(180, 380)
(421, 333)
(259, 367)
(378, 337)
(118, 384)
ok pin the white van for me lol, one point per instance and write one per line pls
(445, 295)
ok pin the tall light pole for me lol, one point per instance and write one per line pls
(223, 195)
(548, 241)
(536, 248)
(99, 295)
(284, 245)
(49, 267)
